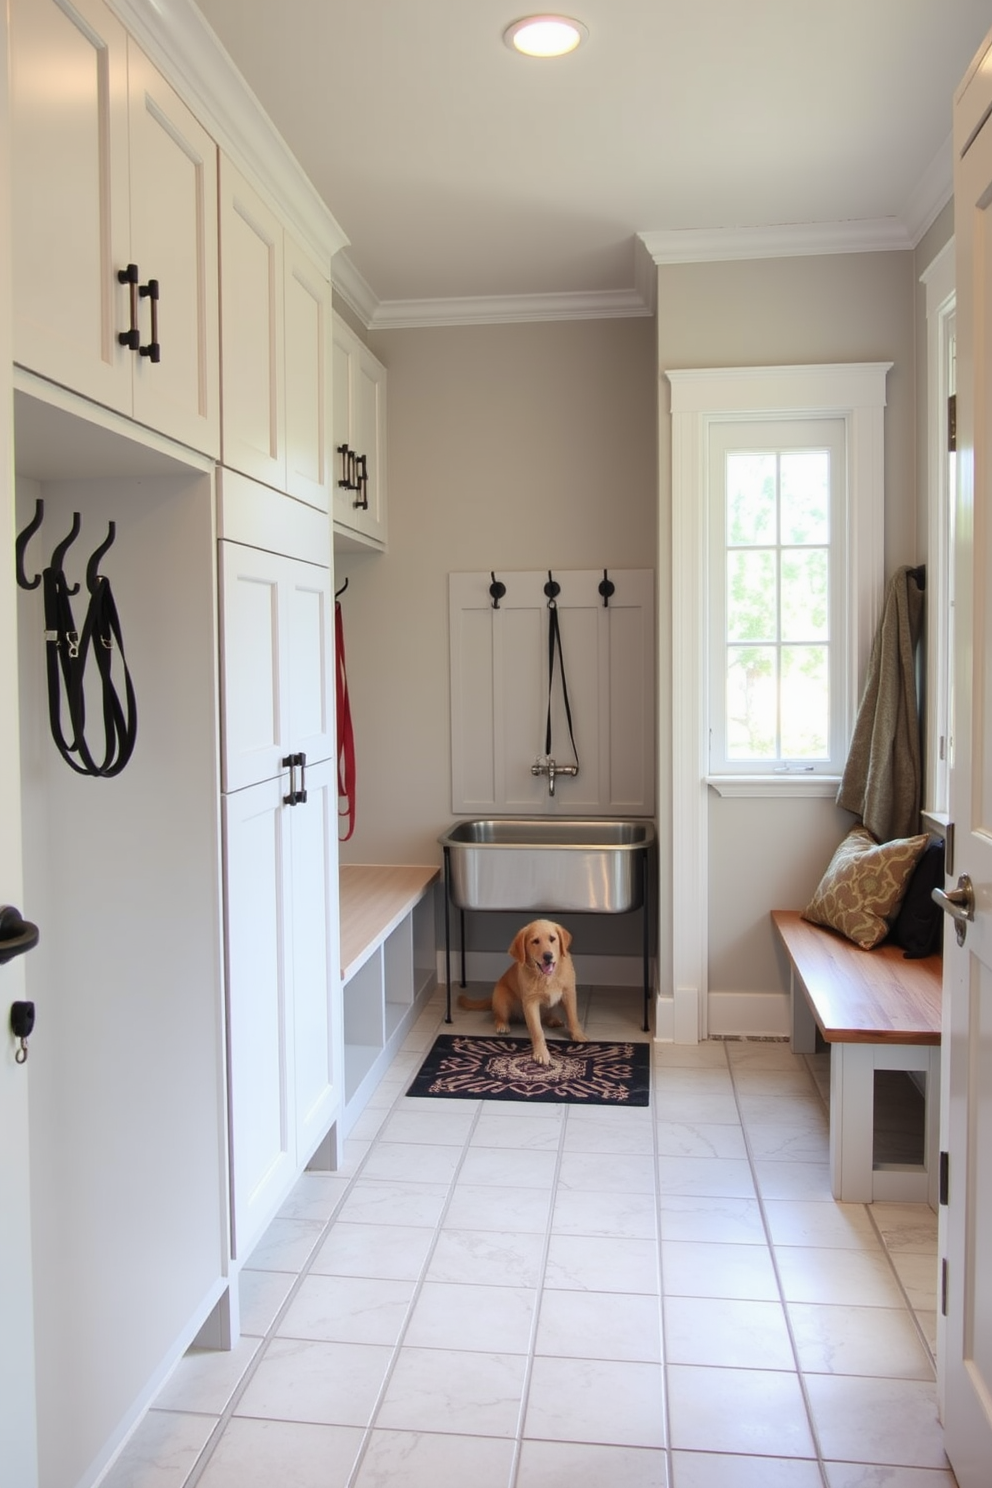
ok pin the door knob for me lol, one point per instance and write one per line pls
(17, 935)
(959, 903)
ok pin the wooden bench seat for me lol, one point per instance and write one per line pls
(877, 1010)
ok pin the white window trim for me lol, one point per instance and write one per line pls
(854, 392)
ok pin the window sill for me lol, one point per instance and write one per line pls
(786, 784)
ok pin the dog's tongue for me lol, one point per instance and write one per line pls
(547, 967)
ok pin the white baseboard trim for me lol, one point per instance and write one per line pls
(749, 1014)
(590, 971)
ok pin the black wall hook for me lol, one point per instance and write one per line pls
(607, 589)
(23, 538)
(496, 589)
(93, 566)
(58, 554)
(338, 592)
(551, 588)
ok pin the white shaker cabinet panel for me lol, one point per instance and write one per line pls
(276, 663)
(263, 1151)
(499, 667)
(359, 398)
(252, 329)
(174, 238)
(309, 454)
(285, 1029)
(275, 338)
(112, 175)
(317, 1037)
(69, 186)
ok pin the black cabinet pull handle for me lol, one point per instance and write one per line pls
(297, 794)
(346, 458)
(132, 338)
(153, 350)
(362, 482)
(292, 760)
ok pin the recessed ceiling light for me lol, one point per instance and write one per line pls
(545, 35)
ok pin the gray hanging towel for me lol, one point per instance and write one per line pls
(881, 781)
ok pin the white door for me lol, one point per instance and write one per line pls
(18, 1434)
(966, 1362)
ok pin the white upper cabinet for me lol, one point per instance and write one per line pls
(359, 441)
(110, 169)
(275, 335)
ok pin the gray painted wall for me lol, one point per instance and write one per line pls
(548, 445)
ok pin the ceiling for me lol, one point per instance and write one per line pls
(467, 176)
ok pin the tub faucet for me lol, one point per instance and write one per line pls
(549, 768)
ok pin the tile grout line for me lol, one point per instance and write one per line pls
(538, 1305)
(654, 1075)
(800, 1374)
(224, 1419)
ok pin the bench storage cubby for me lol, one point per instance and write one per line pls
(877, 1011)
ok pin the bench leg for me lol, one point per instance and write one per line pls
(803, 1022)
(852, 1115)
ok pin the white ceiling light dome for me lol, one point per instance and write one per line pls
(545, 35)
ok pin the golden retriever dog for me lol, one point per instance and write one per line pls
(541, 977)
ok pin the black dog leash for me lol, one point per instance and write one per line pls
(66, 653)
(552, 590)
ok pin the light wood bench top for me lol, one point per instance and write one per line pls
(373, 899)
(862, 997)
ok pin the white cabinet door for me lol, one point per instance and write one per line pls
(285, 1036)
(315, 961)
(252, 327)
(256, 850)
(174, 239)
(276, 667)
(309, 455)
(359, 397)
(275, 330)
(110, 169)
(69, 185)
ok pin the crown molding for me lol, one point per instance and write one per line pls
(188, 53)
(796, 240)
(932, 193)
(496, 309)
(356, 292)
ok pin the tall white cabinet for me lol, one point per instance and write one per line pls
(280, 846)
(187, 1059)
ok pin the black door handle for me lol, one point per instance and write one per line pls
(17, 935)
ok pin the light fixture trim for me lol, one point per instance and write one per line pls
(548, 35)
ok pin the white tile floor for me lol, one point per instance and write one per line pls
(517, 1297)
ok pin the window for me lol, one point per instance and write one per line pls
(777, 697)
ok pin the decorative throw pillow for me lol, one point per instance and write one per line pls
(864, 884)
(919, 925)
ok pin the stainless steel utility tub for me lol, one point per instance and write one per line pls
(536, 864)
